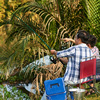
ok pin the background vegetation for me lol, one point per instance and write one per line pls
(22, 20)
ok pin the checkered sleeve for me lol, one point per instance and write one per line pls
(66, 53)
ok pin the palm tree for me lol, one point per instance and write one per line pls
(58, 17)
(51, 20)
(93, 13)
(8, 7)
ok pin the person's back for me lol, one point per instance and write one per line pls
(74, 55)
(79, 52)
(95, 51)
(91, 44)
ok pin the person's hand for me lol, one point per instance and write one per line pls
(66, 39)
(53, 52)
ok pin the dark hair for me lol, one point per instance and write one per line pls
(83, 35)
(92, 40)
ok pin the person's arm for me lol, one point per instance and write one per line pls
(53, 52)
(68, 40)
(64, 60)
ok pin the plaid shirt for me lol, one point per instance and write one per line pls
(74, 54)
(95, 51)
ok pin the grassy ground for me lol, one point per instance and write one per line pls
(91, 97)
(94, 96)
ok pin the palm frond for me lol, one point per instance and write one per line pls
(9, 55)
(93, 13)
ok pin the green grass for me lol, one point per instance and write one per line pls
(94, 96)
